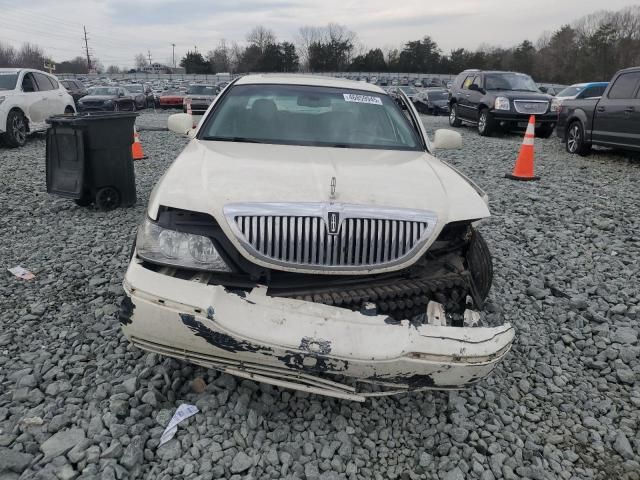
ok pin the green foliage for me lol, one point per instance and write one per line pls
(194, 62)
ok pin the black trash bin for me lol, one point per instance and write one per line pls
(89, 158)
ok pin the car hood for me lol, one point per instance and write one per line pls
(208, 175)
(515, 95)
(97, 98)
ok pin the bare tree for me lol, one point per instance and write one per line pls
(235, 55)
(261, 37)
(306, 36)
(140, 61)
(220, 57)
(30, 56)
(113, 69)
(7, 55)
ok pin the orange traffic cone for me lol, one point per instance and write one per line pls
(136, 147)
(523, 169)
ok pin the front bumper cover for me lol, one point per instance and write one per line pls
(299, 344)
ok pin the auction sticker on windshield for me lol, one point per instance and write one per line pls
(351, 97)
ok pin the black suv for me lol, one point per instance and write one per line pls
(492, 99)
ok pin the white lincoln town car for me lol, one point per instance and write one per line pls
(307, 237)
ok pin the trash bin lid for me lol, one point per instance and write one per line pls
(85, 117)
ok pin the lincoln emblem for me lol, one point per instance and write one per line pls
(334, 222)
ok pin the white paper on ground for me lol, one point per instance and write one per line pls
(22, 273)
(183, 412)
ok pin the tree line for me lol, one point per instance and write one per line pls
(591, 48)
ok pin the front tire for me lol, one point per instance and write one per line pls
(574, 139)
(454, 119)
(485, 123)
(16, 134)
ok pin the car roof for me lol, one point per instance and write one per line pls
(10, 70)
(311, 80)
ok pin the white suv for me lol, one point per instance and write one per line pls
(27, 98)
(307, 237)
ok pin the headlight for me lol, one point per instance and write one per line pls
(502, 103)
(555, 104)
(170, 247)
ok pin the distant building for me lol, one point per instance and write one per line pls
(159, 68)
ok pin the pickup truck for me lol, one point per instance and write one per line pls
(612, 120)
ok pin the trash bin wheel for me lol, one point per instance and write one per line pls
(107, 198)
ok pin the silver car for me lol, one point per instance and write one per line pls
(199, 97)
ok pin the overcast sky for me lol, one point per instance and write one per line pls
(118, 29)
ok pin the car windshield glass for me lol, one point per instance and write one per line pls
(135, 88)
(108, 91)
(571, 91)
(314, 116)
(510, 81)
(408, 90)
(8, 80)
(201, 90)
(438, 95)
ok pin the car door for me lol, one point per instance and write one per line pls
(58, 95)
(46, 91)
(34, 103)
(465, 110)
(474, 97)
(617, 117)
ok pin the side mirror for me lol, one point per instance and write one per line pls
(181, 123)
(445, 139)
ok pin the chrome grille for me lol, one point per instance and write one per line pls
(298, 235)
(532, 107)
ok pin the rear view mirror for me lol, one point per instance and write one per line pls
(445, 139)
(313, 101)
(181, 123)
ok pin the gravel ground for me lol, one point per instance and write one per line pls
(77, 401)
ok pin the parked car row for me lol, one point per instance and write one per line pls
(582, 115)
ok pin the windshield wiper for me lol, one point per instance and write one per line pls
(233, 139)
(522, 90)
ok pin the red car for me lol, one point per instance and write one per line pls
(171, 100)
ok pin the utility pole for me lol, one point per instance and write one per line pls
(174, 54)
(149, 55)
(86, 46)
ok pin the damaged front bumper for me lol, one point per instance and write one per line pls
(299, 344)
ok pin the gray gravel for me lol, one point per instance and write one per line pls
(77, 401)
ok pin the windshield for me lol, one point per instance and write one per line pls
(510, 81)
(438, 95)
(201, 90)
(107, 91)
(135, 88)
(409, 90)
(8, 80)
(571, 91)
(314, 116)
